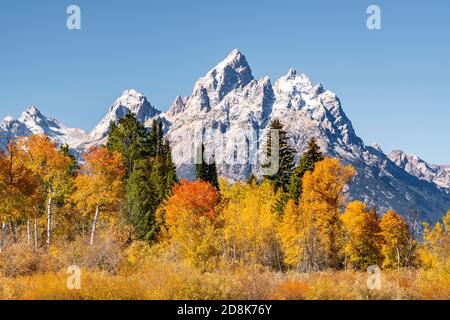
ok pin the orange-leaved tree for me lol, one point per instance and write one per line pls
(18, 188)
(19, 191)
(100, 184)
(53, 170)
(192, 222)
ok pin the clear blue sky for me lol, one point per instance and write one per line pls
(394, 83)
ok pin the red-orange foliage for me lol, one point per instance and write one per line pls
(198, 197)
(191, 220)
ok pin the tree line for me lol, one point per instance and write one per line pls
(297, 218)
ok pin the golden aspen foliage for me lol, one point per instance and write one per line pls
(51, 166)
(435, 250)
(53, 170)
(19, 188)
(290, 234)
(100, 184)
(318, 216)
(250, 224)
(361, 240)
(396, 241)
(192, 222)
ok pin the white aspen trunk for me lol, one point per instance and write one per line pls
(49, 221)
(28, 232)
(3, 238)
(35, 233)
(398, 258)
(94, 224)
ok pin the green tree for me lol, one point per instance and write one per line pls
(143, 195)
(130, 138)
(282, 177)
(151, 172)
(306, 163)
(73, 165)
(170, 170)
(206, 170)
(252, 180)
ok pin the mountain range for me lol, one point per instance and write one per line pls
(230, 112)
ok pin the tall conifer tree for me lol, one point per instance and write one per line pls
(306, 163)
(282, 177)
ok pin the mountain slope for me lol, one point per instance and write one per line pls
(234, 121)
(230, 111)
(438, 174)
(32, 121)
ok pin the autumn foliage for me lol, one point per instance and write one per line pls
(239, 240)
(309, 232)
(99, 184)
(193, 222)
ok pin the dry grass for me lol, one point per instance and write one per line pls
(144, 272)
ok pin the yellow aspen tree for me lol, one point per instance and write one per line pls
(289, 233)
(52, 169)
(361, 240)
(318, 216)
(100, 184)
(250, 224)
(435, 250)
(396, 238)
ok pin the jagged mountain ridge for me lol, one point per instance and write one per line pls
(438, 174)
(32, 121)
(231, 111)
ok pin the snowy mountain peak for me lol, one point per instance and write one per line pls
(231, 73)
(377, 147)
(32, 121)
(292, 72)
(177, 106)
(33, 118)
(32, 111)
(8, 119)
(130, 101)
(235, 60)
(297, 82)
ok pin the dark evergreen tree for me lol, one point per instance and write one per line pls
(73, 167)
(151, 172)
(212, 174)
(306, 163)
(206, 170)
(153, 138)
(281, 202)
(130, 138)
(160, 139)
(144, 193)
(252, 179)
(170, 170)
(282, 177)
